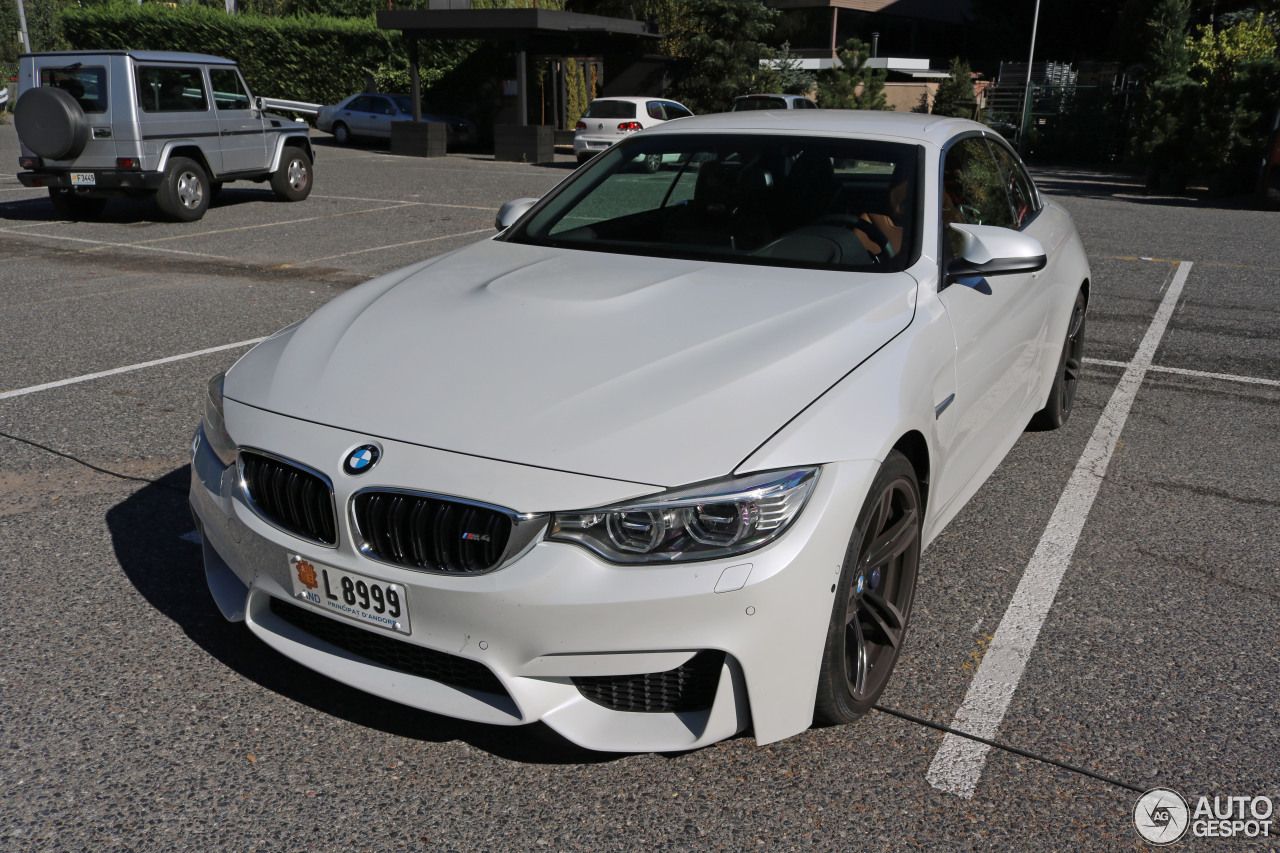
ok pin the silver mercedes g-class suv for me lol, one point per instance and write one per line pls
(96, 124)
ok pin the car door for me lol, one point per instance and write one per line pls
(241, 128)
(998, 322)
(367, 116)
(173, 104)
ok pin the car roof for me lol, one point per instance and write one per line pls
(635, 99)
(910, 126)
(144, 55)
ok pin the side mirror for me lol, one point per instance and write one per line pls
(511, 211)
(258, 103)
(988, 250)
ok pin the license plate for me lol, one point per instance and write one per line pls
(597, 145)
(364, 599)
(83, 179)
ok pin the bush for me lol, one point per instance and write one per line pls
(291, 58)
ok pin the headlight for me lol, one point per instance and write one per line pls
(704, 522)
(215, 431)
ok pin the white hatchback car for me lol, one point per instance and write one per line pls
(606, 120)
(657, 462)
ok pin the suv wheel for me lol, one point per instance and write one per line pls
(292, 181)
(72, 206)
(184, 191)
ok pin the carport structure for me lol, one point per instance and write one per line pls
(537, 31)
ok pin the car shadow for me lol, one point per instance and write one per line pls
(125, 210)
(146, 533)
(1129, 187)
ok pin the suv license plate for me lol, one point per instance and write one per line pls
(83, 179)
(364, 599)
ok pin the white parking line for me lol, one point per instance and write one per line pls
(1199, 374)
(100, 244)
(399, 245)
(126, 369)
(957, 767)
(404, 201)
(390, 206)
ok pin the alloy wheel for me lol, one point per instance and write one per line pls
(881, 590)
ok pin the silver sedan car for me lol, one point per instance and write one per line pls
(369, 116)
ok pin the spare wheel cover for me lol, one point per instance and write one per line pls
(50, 122)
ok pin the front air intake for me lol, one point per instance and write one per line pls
(689, 687)
(392, 652)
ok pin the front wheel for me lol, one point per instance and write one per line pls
(341, 134)
(1066, 381)
(873, 596)
(184, 190)
(292, 181)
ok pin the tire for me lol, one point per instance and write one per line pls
(873, 596)
(72, 206)
(341, 134)
(1066, 381)
(292, 181)
(51, 123)
(184, 190)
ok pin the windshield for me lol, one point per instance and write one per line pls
(824, 203)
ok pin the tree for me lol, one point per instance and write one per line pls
(1217, 55)
(782, 74)
(851, 85)
(1166, 39)
(718, 45)
(955, 94)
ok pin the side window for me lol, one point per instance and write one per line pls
(229, 92)
(973, 188)
(805, 104)
(167, 89)
(1022, 193)
(654, 109)
(87, 85)
(362, 104)
(673, 110)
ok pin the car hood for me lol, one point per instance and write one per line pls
(648, 370)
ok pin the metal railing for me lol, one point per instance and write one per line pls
(292, 106)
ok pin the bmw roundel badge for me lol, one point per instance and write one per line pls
(361, 459)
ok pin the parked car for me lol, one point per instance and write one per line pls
(771, 102)
(370, 115)
(606, 120)
(96, 124)
(657, 462)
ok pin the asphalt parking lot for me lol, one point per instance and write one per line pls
(1105, 613)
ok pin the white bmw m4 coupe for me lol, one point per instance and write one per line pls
(656, 463)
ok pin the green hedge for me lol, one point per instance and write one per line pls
(307, 58)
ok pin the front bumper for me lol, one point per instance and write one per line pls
(555, 614)
(105, 180)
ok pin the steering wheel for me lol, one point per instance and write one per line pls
(867, 227)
